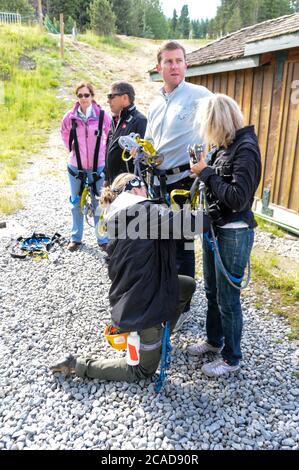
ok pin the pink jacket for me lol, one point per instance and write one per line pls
(86, 133)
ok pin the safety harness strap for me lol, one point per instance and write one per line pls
(96, 177)
(74, 138)
(211, 244)
(165, 358)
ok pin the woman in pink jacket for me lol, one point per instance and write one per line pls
(84, 130)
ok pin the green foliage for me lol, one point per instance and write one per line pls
(269, 227)
(199, 28)
(184, 22)
(235, 14)
(20, 6)
(30, 105)
(281, 276)
(174, 24)
(111, 43)
(102, 18)
(124, 12)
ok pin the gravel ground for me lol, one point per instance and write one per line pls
(61, 304)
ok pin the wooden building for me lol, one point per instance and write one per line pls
(259, 67)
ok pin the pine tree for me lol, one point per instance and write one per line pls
(184, 22)
(102, 18)
(82, 17)
(174, 23)
(273, 9)
(123, 10)
(155, 19)
(235, 21)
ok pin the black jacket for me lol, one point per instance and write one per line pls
(143, 272)
(130, 120)
(234, 193)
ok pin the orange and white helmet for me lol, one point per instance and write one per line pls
(115, 339)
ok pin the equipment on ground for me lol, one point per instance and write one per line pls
(37, 246)
(116, 339)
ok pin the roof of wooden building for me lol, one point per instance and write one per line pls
(233, 46)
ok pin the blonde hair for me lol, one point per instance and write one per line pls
(87, 85)
(219, 117)
(109, 193)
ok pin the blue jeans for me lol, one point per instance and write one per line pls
(224, 316)
(77, 215)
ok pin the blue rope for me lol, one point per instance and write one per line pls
(236, 280)
(165, 358)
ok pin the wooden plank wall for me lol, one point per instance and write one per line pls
(264, 96)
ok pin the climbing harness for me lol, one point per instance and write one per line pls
(86, 187)
(37, 246)
(165, 358)
(146, 162)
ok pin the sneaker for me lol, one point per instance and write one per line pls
(65, 365)
(73, 246)
(183, 318)
(202, 348)
(218, 368)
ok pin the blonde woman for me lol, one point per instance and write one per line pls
(231, 176)
(145, 287)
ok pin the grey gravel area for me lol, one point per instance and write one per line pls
(61, 304)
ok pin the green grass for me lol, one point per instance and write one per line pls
(10, 201)
(113, 44)
(281, 277)
(269, 227)
(30, 107)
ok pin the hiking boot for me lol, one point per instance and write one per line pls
(66, 365)
(73, 246)
(183, 318)
(218, 368)
(202, 348)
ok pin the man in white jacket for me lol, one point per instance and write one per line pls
(170, 127)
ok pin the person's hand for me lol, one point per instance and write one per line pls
(198, 167)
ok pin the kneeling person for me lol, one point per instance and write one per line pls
(145, 287)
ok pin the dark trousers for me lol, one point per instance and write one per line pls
(150, 349)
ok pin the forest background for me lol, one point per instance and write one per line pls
(145, 18)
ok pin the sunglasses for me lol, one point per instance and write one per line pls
(110, 96)
(134, 183)
(83, 95)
